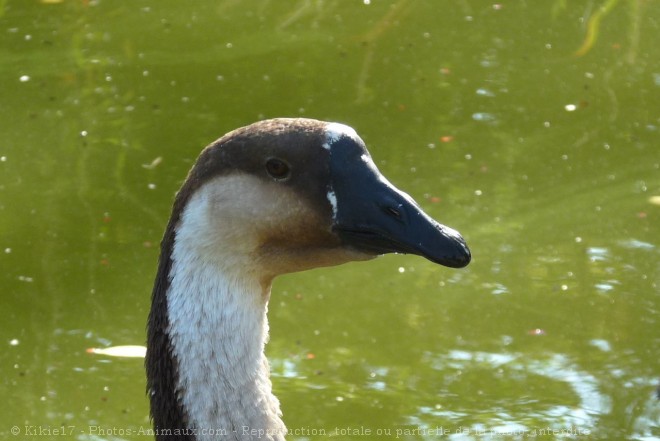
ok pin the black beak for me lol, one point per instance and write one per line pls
(375, 217)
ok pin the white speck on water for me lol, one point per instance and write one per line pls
(570, 107)
(484, 92)
(24, 78)
(604, 287)
(151, 186)
(478, 192)
(83, 133)
(7, 250)
(13, 342)
(3, 159)
(483, 117)
(402, 270)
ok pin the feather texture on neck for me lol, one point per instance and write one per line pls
(217, 328)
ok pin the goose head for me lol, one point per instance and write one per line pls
(287, 195)
(275, 197)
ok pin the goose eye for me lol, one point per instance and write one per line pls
(277, 168)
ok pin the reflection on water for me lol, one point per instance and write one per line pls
(580, 418)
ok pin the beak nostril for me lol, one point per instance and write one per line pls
(393, 212)
(393, 209)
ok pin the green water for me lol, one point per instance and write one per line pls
(531, 127)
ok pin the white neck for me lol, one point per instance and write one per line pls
(218, 328)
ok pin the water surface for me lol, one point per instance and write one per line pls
(531, 128)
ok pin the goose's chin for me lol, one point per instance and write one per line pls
(275, 263)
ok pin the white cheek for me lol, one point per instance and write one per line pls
(235, 212)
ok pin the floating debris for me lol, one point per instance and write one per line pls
(127, 351)
(153, 164)
(593, 24)
(536, 332)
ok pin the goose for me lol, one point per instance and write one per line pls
(275, 197)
